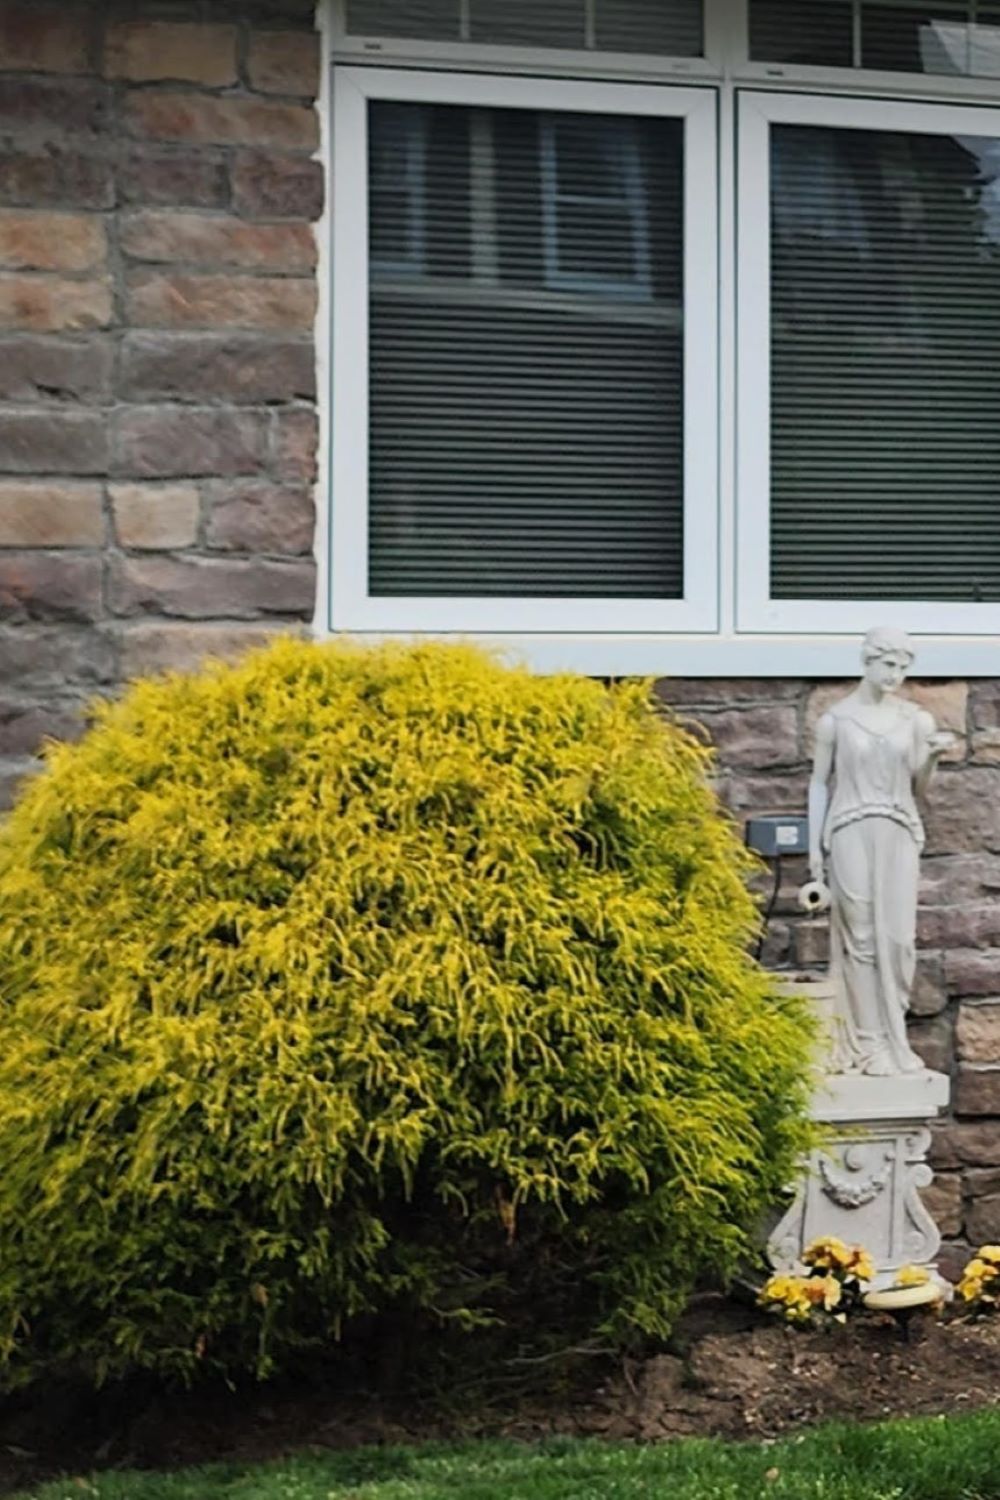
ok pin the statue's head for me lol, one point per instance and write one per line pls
(887, 655)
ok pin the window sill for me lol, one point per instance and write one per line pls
(725, 656)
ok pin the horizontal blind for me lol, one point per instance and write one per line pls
(666, 28)
(885, 384)
(526, 352)
(950, 38)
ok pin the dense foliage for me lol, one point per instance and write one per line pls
(348, 986)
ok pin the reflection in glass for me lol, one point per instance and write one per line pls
(939, 37)
(885, 361)
(526, 388)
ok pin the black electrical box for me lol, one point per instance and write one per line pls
(778, 835)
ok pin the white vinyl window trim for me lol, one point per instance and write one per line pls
(352, 607)
(756, 611)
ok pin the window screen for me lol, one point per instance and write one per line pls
(667, 28)
(526, 353)
(894, 36)
(885, 352)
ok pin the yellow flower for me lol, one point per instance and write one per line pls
(823, 1291)
(970, 1288)
(862, 1266)
(912, 1276)
(827, 1253)
(981, 1269)
(991, 1253)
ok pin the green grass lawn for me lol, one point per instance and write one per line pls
(931, 1459)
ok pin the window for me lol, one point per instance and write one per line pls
(870, 352)
(535, 306)
(646, 373)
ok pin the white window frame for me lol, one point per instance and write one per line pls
(352, 607)
(756, 610)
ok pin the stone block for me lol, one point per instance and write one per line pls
(13, 775)
(776, 952)
(166, 442)
(175, 647)
(228, 121)
(172, 175)
(45, 513)
(156, 516)
(49, 586)
(929, 996)
(943, 1201)
(982, 1182)
(963, 811)
(57, 441)
(294, 440)
(811, 944)
(24, 727)
(46, 241)
(178, 300)
(151, 51)
(746, 795)
(273, 185)
(34, 40)
(958, 879)
(966, 1144)
(206, 588)
(258, 517)
(726, 692)
(931, 1040)
(38, 176)
(50, 108)
(984, 703)
(972, 971)
(977, 1033)
(982, 1220)
(985, 747)
(959, 926)
(206, 367)
(39, 368)
(284, 62)
(161, 236)
(51, 304)
(755, 737)
(44, 656)
(978, 1090)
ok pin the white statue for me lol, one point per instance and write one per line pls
(865, 843)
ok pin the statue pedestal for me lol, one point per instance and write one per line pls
(863, 1184)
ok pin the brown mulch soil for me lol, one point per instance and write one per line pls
(736, 1377)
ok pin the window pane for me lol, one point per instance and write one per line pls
(668, 29)
(915, 38)
(815, 32)
(430, 20)
(885, 282)
(527, 23)
(943, 37)
(526, 383)
(663, 28)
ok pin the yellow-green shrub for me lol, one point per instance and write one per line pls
(345, 984)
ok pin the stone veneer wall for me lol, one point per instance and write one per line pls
(157, 456)
(157, 373)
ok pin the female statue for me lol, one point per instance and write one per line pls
(865, 841)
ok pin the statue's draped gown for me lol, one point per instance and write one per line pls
(873, 837)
